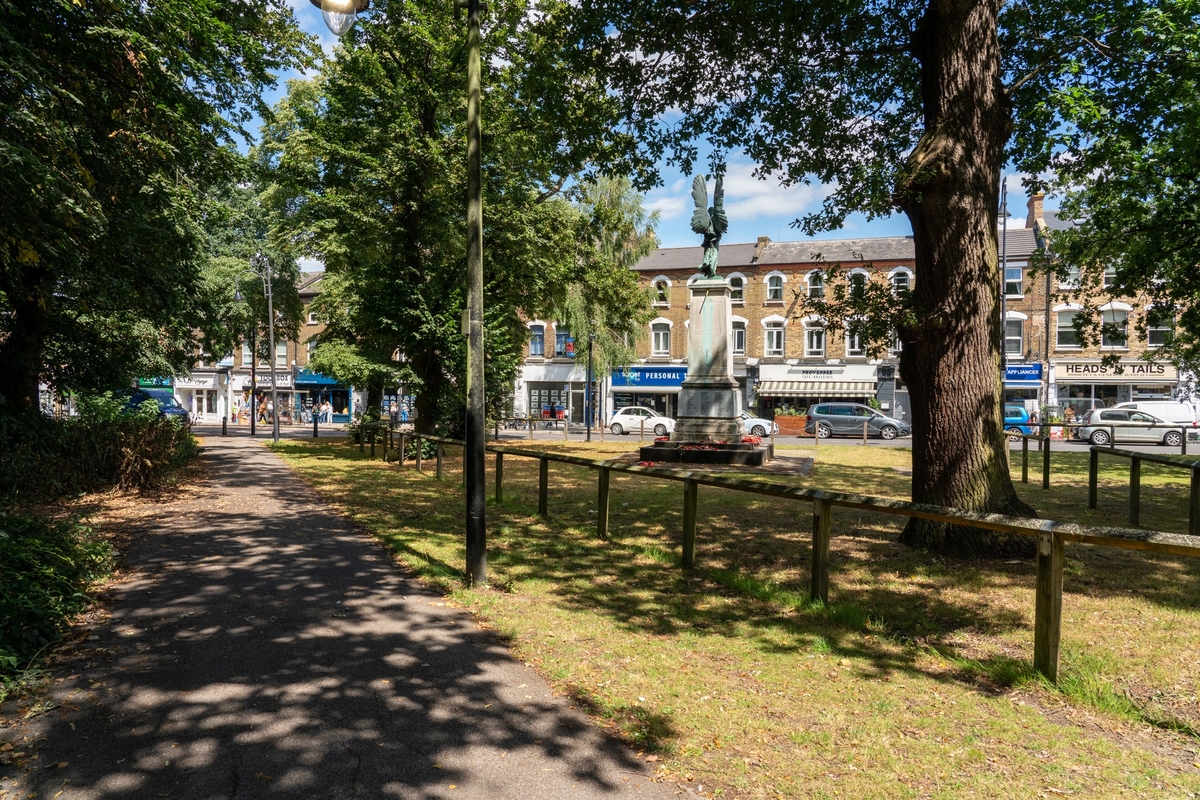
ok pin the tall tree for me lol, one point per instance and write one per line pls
(907, 106)
(369, 168)
(114, 116)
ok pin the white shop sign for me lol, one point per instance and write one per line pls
(1126, 372)
(196, 382)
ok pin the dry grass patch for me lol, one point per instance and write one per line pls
(913, 682)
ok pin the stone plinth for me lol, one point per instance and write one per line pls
(710, 404)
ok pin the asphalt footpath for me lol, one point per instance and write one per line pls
(260, 646)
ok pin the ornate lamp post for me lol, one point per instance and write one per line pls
(263, 270)
(339, 17)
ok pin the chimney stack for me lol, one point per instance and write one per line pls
(1036, 218)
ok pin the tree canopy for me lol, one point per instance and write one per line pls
(115, 118)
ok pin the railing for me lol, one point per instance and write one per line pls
(1135, 482)
(1051, 536)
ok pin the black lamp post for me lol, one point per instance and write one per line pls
(339, 17)
(262, 269)
(590, 405)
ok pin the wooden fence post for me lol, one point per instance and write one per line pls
(400, 460)
(819, 581)
(1046, 465)
(864, 434)
(1048, 609)
(1194, 504)
(642, 431)
(1183, 441)
(372, 444)
(691, 490)
(543, 486)
(566, 428)
(439, 461)
(1094, 476)
(419, 442)
(1135, 491)
(499, 479)
(1025, 459)
(605, 474)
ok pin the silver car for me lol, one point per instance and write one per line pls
(1111, 425)
(757, 426)
(846, 419)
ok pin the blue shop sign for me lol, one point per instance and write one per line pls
(639, 377)
(1023, 373)
(314, 379)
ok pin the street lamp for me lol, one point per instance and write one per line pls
(590, 405)
(261, 268)
(339, 17)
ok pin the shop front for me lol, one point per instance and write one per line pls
(552, 391)
(1084, 384)
(314, 389)
(651, 387)
(200, 394)
(792, 388)
(1023, 385)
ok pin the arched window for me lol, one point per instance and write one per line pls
(737, 288)
(858, 284)
(901, 280)
(854, 340)
(537, 340)
(1066, 336)
(773, 337)
(1014, 334)
(660, 338)
(662, 295)
(815, 284)
(774, 282)
(1114, 332)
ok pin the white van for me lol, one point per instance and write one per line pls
(1172, 411)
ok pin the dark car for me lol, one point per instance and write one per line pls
(168, 406)
(847, 419)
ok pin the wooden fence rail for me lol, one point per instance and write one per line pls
(1051, 536)
(1136, 460)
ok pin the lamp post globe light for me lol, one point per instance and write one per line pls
(339, 16)
(261, 268)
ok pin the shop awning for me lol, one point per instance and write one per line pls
(816, 388)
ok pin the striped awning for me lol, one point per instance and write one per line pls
(824, 389)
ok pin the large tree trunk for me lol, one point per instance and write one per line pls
(21, 352)
(951, 359)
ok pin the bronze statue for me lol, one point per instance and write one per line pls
(711, 223)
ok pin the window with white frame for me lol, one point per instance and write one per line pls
(816, 285)
(1160, 327)
(814, 339)
(660, 340)
(1014, 337)
(662, 295)
(737, 289)
(281, 354)
(245, 354)
(858, 285)
(739, 338)
(537, 341)
(309, 346)
(773, 338)
(1067, 336)
(1110, 277)
(564, 344)
(854, 340)
(774, 288)
(894, 344)
(1014, 279)
(1114, 332)
(1070, 279)
(312, 318)
(901, 282)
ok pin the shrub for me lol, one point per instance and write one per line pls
(46, 570)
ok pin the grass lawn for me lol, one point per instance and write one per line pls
(915, 680)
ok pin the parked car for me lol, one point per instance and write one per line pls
(1111, 425)
(1172, 411)
(168, 406)
(757, 426)
(632, 418)
(830, 419)
(1016, 420)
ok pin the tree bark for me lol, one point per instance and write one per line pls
(21, 352)
(951, 359)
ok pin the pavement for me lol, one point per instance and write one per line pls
(260, 646)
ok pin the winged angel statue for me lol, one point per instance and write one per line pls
(710, 222)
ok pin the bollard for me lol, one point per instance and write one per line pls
(1094, 476)
(438, 473)
(566, 429)
(691, 491)
(1135, 491)
(224, 421)
(864, 434)
(316, 416)
(531, 427)
(642, 431)
(372, 444)
(543, 487)
(602, 502)
(819, 580)
(499, 479)
(1183, 441)
(1025, 458)
(400, 460)
(1047, 615)
(1046, 465)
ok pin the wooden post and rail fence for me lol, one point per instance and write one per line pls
(1050, 536)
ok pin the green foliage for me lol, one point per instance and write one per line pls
(105, 447)
(46, 570)
(115, 118)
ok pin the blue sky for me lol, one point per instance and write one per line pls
(755, 207)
